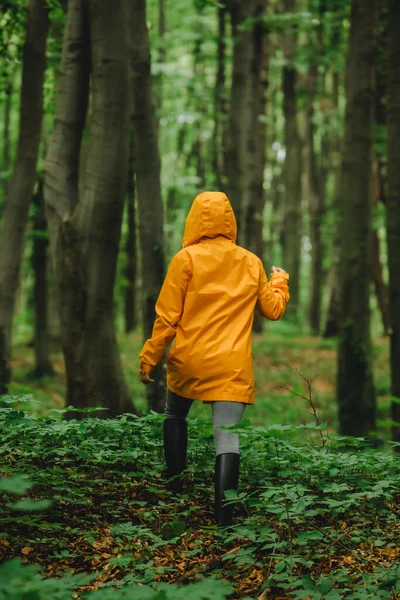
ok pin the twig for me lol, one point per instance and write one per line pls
(307, 399)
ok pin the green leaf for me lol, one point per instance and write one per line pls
(31, 505)
(309, 583)
(16, 484)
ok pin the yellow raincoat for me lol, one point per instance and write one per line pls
(207, 305)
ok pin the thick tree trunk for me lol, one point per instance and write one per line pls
(130, 300)
(61, 184)
(147, 167)
(292, 173)
(257, 142)
(20, 188)
(86, 231)
(39, 263)
(237, 168)
(393, 208)
(355, 390)
(220, 109)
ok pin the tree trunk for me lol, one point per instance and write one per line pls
(393, 208)
(39, 263)
(237, 168)
(147, 168)
(356, 394)
(332, 320)
(332, 324)
(291, 173)
(162, 55)
(257, 141)
(130, 308)
(198, 149)
(86, 231)
(6, 135)
(61, 184)
(317, 173)
(20, 188)
(220, 109)
(381, 290)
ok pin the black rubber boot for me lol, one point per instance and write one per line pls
(226, 478)
(175, 446)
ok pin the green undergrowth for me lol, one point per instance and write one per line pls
(84, 513)
(281, 354)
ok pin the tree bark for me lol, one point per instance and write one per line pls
(130, 303)
(86, 230)
(61, 184)
(220, 102)
(147, 168)
(6, 134)
(393, 208)
(317, 174)
(355, 390)
(316, 208)
(20, 188)
(39, 263)
(257, 141)
(381, 290)
(291, 173)
(162, 55)
(332, 321)
(237, 168)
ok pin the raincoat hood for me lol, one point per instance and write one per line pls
(211, 215)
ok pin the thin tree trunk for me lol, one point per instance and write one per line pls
(240, 113)
(147, 168)
(355, 390)
(86, 231)
(162, 55)
(130, 308)
(39, 263)
(393, 208)
(220, 109)
(291, 173)
(381, 290)
(23, 178)
(317, 173)
(333, 316)
(332, 320)
(257, 142)
(198, 149)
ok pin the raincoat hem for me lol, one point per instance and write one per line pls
(207, 398)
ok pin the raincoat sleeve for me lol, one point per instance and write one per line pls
(169, 309)
(273, 296)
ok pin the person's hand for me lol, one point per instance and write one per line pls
(145, 377)
(277, 270)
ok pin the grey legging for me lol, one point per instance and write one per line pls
(224, 414)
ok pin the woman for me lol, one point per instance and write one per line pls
(207, 305)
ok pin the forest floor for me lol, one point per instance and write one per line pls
(86, 501)
(282, 357)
